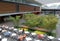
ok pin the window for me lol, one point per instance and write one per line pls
(18, 1)
(14, 0)
(6, 0)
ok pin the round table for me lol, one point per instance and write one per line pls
(0, 29)
(58, 38)
(12, 27)
(0, 36)
(7, 33)
(26, 32)
(33, 33)
(20, 30)
(6, 27)
(50, 37)
(13, 34)
(28, 38)
(15, 30)
(37, 40)
(4, 31)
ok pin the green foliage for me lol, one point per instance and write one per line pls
(31, 20)
(45, 21)
(48, 21)
(51, 34)
(15, 20)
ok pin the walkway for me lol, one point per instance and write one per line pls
(11, 23)
(58, 29)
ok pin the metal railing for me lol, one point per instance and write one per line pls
(7, 14)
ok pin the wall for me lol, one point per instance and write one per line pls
(37, 8)
(7, 7)
(26, 8)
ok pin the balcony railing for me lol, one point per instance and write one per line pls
(7, 14)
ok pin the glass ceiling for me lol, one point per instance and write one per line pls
(47, 1)
(30, 2)
(51, 6)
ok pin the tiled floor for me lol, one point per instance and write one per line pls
(11, 24)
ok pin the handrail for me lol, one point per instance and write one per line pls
(17, 13)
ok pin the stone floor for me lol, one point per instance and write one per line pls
(58, 29)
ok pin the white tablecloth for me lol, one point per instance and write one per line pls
(28, 38)
(15, 29)
(13, 34)
(0, 37)
(58, 38)
(6, 27)
(0, 29)
(33, 33)
(26, 32)
(37, 40)
(50, 37)
(20, 30)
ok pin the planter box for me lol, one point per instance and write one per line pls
(36, 28)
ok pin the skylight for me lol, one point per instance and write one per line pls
(52, 6)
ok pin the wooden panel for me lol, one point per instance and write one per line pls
(26, 8)
(37, 8)
(7, 7)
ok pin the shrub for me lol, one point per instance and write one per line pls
(45, 21)
(15, 21)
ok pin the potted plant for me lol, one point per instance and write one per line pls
(47, 22)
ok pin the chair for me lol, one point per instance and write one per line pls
(4, 31)
(3, 27)
(38, 40)
(0, 26)
(7, 34)
(20, 32)
(0, 30)
(14, 36)
(0, 37)
(15, 30)
(33, 34)
(27, 33)
(4, 39)
(6, 27)
(58, 39)
(50, 38)
(28, 38)
(12, 28)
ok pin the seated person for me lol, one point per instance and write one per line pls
(21, 37)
